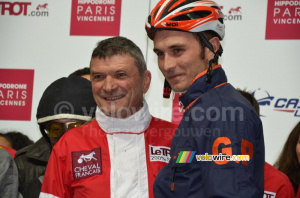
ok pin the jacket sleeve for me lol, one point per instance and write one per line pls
(237, 178)
(211, 178)
(8, 175)
(55, 183)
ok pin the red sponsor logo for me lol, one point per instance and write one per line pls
(23, 9)
(42, 7)
(95, 17)
(14, 8)
(86, 163)
(268, 194)
(177, 111)
(16, 86)
(283, 19)
(235, 10)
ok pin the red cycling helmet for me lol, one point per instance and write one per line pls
(186, 15)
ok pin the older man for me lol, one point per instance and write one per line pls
(120, 153)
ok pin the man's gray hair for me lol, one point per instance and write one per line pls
(120, 46)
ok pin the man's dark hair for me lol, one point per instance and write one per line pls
(120, 46)
(81, 72)
(17, 140)
(208, 35)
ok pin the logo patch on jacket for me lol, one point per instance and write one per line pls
(160, 153)
(86, 163)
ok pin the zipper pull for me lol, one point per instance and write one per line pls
(172, 181)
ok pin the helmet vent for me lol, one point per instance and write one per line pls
(191, 16)
(155, 13)
(149, 19)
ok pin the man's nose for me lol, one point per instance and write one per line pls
(169, 63)
(109, 84)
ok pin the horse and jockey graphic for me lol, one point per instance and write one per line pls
(42, 7)
(87, 157)
(235, 10)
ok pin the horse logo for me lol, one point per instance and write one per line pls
(235, 10)
(87, 157)
(42, 7)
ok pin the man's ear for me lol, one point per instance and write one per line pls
(215, 41)
(146, 81)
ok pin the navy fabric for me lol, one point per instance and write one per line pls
(218, 112)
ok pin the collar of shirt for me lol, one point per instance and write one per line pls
(136, 123)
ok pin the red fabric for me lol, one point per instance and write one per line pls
(59, 177)
(10, 150)
(298, 193)
(277, 184)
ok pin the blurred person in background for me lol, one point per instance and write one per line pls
(5, 141)
(8, 175)
(66, 103)
(276, 183)
(84, 73)
(17, 139)
(288, 161)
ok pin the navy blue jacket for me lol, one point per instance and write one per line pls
(218, 119)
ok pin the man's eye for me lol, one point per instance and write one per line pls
(176, 51)
(98, 76)
(120, 75)
(159, 53)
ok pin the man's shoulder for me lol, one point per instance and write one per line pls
(79, 131)
(78, 135)
(35, 150)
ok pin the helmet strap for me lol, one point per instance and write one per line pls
(207, 44)
(167, 89)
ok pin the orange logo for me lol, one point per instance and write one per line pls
(246, 149)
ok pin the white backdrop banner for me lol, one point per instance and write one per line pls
(54, 38)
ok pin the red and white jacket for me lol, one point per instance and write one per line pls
(109, 157)
(276, 183)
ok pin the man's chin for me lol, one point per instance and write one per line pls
(178, 88)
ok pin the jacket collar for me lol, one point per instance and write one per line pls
(136, 123)
(40, 150)
(199, 86)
